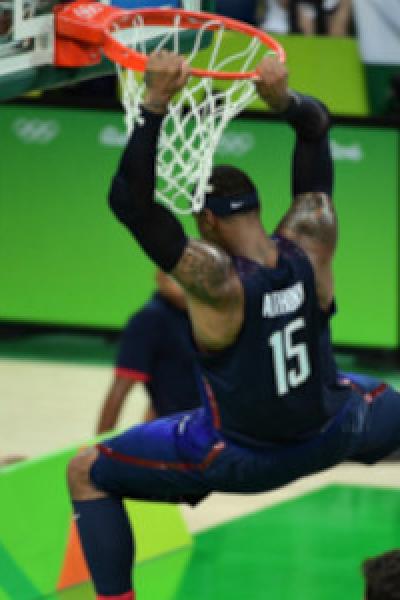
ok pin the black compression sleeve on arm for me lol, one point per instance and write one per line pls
(309, 117)
(132, 197)
(312, 169)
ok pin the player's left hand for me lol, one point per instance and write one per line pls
(273, 83)
(166, 74)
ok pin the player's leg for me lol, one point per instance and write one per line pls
(382, 425)
(104, 530)
(252, 470)
(366, 430)
(362, 383)
(144, 463)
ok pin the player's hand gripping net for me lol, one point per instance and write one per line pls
(197, 116)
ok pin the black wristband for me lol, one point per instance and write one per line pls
(142, 144)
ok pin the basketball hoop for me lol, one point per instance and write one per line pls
(198, 116)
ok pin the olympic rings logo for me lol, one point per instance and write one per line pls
(88, 12)
(236, 144)
(35, 131)
(111, 136)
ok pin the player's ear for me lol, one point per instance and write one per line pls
(205, 221)
(209, 219)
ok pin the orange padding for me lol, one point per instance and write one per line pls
(75, 570)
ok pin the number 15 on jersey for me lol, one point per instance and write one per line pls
(284, 349)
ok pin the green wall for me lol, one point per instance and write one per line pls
(330, 69)
(65, 260)
(325, 67)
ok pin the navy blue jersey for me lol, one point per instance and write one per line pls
(335, 393)
(268, 386)
(156, 348)
(329, 367)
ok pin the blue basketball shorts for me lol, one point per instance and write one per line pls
(184, 458)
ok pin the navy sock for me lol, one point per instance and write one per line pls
(107, 542)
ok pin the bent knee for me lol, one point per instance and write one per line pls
(78, 476)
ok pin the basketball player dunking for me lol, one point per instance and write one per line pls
(258, 305)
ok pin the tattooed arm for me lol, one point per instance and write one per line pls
(206, 273)
(310, 221)
(215, 294)
(311, 224)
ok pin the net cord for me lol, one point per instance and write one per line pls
(196, 119)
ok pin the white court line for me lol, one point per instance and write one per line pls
(47, 406)
(220, 508)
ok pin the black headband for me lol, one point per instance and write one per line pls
(232, 205)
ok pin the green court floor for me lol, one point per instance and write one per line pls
(310, 548)
(305, 549)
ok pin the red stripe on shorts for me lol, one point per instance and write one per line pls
(161, 464)
(369, 397)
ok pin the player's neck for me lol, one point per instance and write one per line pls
(252, 243)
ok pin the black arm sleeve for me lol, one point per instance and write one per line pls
(312, 165)
(132, 197)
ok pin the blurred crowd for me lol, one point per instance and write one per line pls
(308, 17)
(375, 24)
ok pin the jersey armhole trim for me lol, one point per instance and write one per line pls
(132, 374)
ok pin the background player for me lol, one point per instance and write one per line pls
(156, 349)
(267, 417)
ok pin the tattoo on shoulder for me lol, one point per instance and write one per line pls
(204, 271)
(312, 215)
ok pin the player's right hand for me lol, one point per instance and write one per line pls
(166, 74)
(273, 83)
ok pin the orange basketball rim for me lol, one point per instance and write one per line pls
(86, 30)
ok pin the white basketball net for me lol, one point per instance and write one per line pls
(196, 119)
